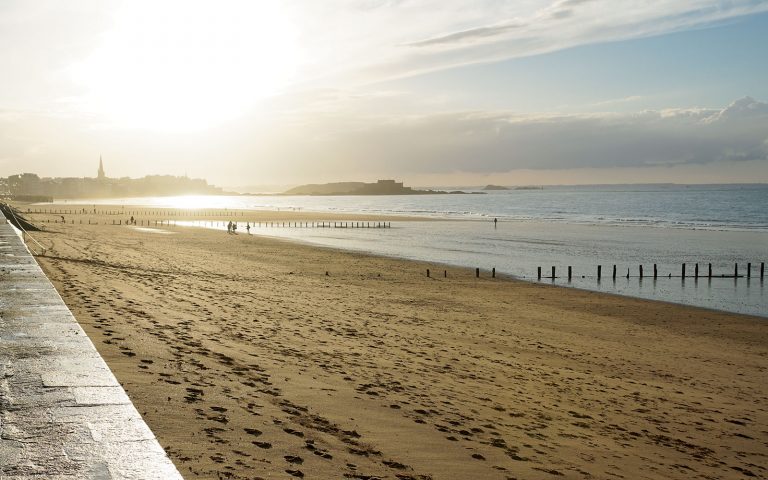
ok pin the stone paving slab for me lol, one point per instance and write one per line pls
(63, 415)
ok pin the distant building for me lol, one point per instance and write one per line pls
(386, 187)
(30, 185)
(101, 175)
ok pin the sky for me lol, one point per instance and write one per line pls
(433, 93)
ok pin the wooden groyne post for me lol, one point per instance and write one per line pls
(749, 270)
(539, 273)
(683, 272)
(696, 271)
(599, 271)
(477, 273)
(569, 273)
(641, 271)
(655, 271)
(762, 270)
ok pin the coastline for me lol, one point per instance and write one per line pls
(228, 343)
(515, 248)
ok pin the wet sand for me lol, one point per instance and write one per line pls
(248, 361)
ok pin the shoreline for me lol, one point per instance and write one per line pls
(485, 273)
(515, 249)
(247, 360)
(580, 282)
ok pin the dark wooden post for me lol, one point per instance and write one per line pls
(749, 270)
(709, 270)
(599, 271)
(553, 272)
(655, 271)
(427, 273)
(762, 270)
(445, 273)
(641, 271)
(493, 272)
(696, 270)
(614, 272)
(683, 273)
(736, 269)
(569, 273)
(539, 273)
(477, 273)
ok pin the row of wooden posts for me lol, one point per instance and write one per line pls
(166, 222)
(477, 273)
(682, 272)
(164, 213)
(655, 272)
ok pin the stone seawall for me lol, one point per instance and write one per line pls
(63, 415)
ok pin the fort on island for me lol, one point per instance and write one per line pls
(381, 187)
(31, 187)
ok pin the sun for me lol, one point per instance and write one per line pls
(184, 64)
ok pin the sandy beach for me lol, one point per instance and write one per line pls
(251, 357)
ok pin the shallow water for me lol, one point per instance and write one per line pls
(709, 207)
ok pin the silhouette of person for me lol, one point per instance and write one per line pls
(248, 227)
(495, 221)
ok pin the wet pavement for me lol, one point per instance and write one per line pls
(63, 415)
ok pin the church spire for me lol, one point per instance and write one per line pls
(101, 175)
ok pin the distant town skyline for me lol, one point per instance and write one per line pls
(432, 93)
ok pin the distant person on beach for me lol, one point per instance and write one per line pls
(248, 227)
(133, 220)
(234, 228)
(495, 221)
(229, 227)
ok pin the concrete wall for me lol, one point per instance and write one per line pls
(63, 415)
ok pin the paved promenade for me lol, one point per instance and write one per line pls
(63, 415)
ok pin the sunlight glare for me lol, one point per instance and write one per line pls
(185, 65)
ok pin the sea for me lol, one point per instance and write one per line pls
(581, 227)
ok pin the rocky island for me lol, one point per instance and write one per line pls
(381, 187)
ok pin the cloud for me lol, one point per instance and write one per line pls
(398, 39)
(488, 142)
(458, 37)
